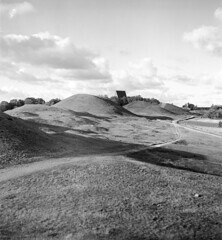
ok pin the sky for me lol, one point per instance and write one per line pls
(165, 49)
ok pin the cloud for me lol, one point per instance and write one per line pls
(140, 75)
(218, 14)
(124, 53)
(185, 79)
(54, 52)
(14, 9)
(2, 92)
(208, 38)
(46, 49)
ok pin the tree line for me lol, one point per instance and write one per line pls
(14, 103)
(125, 100)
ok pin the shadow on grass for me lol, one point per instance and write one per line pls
(178, 159)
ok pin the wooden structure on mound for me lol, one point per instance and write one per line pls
(122, 97)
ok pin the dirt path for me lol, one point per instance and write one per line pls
(178, 133)
(25, 169)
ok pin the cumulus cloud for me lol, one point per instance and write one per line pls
(208, 38)
(2, 92)
(54, 52)
(139, 75)
(218, 14)
(14, 9)
(46, 49)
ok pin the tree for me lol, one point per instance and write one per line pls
(20, 103)
(4, 106)
(123, 101)
(115, 99)
(30, 100)
(13, 103)
(40, 101)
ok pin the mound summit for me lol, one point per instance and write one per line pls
(92, 104)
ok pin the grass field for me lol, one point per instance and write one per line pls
(204, 124)
(108, 182)
(111, 198)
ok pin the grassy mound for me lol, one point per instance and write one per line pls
(174, 109)
(147, 109)
(53, 116)
(92, 104)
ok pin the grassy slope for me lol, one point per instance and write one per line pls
(22, 141)
(112, 198)
(120, 198)
(148, 109)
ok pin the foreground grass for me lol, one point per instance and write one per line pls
(116, 198)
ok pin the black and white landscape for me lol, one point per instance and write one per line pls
(79, 159)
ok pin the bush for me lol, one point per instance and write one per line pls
(220, 124)
(53, 101)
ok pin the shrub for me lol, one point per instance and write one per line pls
(53, 101)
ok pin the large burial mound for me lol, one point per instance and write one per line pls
(19, 139)
(92, 104)
(148, 109)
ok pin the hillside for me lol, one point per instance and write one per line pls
(147, 109)
(92, 104)
(53, 116)
(20, 139)
(174, 109)
(24, 141)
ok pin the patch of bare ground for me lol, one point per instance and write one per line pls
(112, 198)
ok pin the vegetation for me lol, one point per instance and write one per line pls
(215, 112)
(125, 100)
(14, 103)
(190, 106)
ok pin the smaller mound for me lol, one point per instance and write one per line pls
(147, 109)
(92, 104)
(174, 109)
(52, 115)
